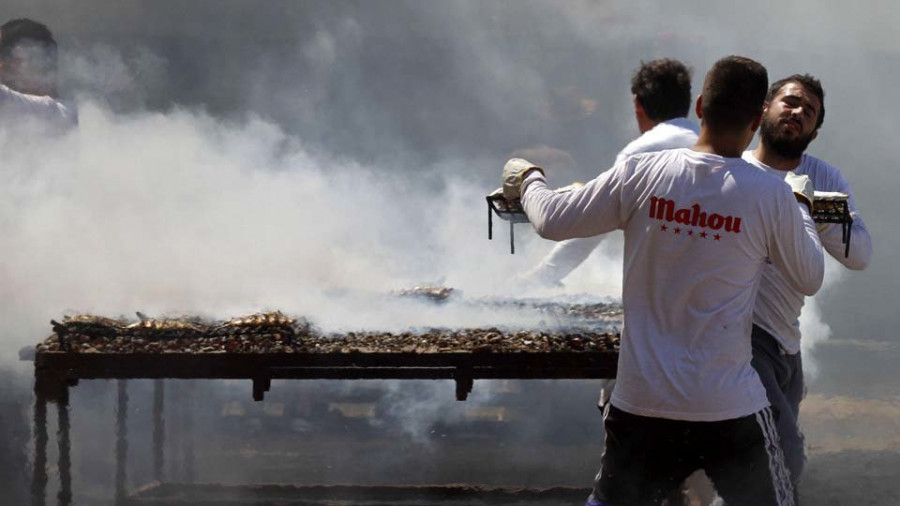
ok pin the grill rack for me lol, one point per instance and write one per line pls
(92, 347)
(510, 211)
(833, 207)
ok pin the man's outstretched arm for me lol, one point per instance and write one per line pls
(590, 210)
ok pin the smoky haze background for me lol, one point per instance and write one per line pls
(234, 156)
(377, 100)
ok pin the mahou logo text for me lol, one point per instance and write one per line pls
(664, 209)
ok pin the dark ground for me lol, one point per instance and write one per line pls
(529, 433)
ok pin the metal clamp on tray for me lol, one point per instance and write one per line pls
(510, 211)
(834, 207)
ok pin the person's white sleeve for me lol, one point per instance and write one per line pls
(593, 209)
(831, 234)
(32, 105)
(563, 259)
(860, 243)
(794, 245)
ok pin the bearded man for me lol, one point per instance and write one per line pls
(793, 113)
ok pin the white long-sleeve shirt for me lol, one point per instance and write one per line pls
(568, 255)
(13, 103)
(698, 230)
(778, 305)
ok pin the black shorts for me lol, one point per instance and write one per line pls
(648, 458)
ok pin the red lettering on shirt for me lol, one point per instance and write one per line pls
(663, 209)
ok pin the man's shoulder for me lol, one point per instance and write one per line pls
(825, 177)
(680, 125)
(11, 94)
(748, 157)
(667, 135)
(811, 165)
(749, 168)
(39, 106)
(657, 157)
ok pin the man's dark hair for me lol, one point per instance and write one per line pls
(807, 81)
(18, 31)
(29, 57)
(733, 93)
(663, 88)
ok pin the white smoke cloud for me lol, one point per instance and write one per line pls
(181, 213)
(813, 326)
(109, 76)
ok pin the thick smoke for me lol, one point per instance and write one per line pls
(181, 213)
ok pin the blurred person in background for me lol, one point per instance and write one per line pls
(28, 95)
(700, 225)
(792, 116)
(28, 74)
(661, 91)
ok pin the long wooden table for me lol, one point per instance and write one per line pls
(56, 372)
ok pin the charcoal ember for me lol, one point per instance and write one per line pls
(465, 341)
(580, 314)
(599, 311)
(427, 292)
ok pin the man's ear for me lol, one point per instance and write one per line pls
(698, 109)
(757, 119)
(638, 108)
(814, 135)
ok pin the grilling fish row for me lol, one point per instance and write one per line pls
(275, 332)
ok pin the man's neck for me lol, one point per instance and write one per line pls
(722, 145)
(767, 156)
(647, 124)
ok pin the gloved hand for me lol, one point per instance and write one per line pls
(514, 173)
(803, 188)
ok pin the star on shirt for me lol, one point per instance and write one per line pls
(663, 227)
(690, 232)
(677, 230)
(717, 237)
(703, 234)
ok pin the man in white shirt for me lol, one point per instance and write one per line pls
(28, 74)
(661, 91)
(700, 225)
(794, 112)
(27, 70)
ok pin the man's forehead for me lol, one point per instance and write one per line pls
(792, 89)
